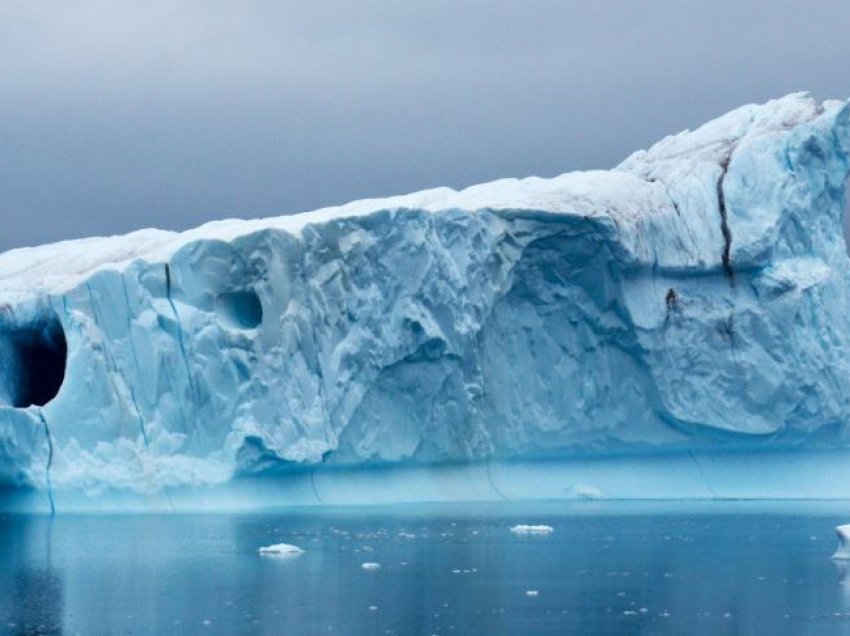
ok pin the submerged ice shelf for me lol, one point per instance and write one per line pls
(693, 299)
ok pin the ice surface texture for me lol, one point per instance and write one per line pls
(694, 297)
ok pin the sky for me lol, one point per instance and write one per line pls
(120, 115)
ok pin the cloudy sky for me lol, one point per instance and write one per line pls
(115, 116)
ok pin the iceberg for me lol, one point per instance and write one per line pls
(690, 303)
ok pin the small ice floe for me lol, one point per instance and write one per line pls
(370, 566)
(531, 592)
(581, 491)
(843, 551)
(526, 529)
(281, 550)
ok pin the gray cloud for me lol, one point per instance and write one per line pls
(118, 115)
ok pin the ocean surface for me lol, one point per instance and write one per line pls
(608, 568)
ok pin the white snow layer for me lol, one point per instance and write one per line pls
(696, 296)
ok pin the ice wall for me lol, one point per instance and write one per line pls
(695, 297)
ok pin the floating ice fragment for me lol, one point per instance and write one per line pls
(281, 550)
(370, 566)
(587, 492)
(527, 529)
(843, 551)
(531, 592)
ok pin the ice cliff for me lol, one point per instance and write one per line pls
(694, 297)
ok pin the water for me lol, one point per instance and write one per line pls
(644, 569)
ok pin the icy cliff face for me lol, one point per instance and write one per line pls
(694, 296)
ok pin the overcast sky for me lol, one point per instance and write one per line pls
(115, 116)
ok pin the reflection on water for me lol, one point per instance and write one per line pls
(449, 569)
(30, 587)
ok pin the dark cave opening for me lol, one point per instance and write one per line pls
(240, 309)
(40, 352)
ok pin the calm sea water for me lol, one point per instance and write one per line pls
(607, 568)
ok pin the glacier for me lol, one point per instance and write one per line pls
(682, 317)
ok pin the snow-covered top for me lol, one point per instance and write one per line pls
(623, 195)
(55, 265)
(714, 140)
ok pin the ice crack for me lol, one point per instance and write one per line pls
(726, 256)
(49, 462)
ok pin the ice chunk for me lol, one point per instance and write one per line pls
(529, 529)
(843, 551)
(281, 550)
(587, 492)
(370, 566)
